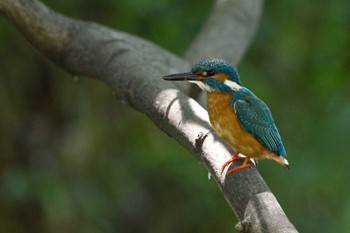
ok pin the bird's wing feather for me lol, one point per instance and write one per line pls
(256, 118)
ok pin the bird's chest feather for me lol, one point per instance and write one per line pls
(222, 116)
(226, 124)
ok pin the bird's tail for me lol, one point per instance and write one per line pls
(282, 160)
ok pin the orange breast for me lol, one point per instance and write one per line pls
(226, 124)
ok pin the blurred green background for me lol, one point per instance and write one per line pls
(76, 159)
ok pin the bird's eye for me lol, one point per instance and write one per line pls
(211, 72)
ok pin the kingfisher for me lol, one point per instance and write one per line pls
(237, 115)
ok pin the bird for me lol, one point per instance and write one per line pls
(236, 114)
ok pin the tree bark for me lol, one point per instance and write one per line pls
(133, 67)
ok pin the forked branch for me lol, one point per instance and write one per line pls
(133, 67)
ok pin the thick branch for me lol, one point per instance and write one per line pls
(228, 31)
(49, 36)
(133, 68)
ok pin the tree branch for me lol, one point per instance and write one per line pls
(133, 68)
(228, 31)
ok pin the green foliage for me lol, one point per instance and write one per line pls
(76, 159)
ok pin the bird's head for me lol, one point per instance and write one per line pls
(211, 75)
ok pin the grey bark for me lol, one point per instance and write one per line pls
(133, 67)
(227, 32)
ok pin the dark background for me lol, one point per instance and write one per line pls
(76, 159)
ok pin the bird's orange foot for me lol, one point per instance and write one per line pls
(243, 165)
(235, 157)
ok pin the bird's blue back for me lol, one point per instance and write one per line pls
(256, 118)
(253, 114)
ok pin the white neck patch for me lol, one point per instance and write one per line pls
(203, 86)
(233, 85)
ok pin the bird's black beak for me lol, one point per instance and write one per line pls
(188, 76)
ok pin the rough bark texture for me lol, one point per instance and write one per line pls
(133, 68)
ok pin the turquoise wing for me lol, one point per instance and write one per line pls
(256, 118)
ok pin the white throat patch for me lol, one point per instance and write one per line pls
(203, 86)
(233, 85)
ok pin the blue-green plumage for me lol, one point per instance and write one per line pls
(256, 118)
(216, 66)
(237, 115)
(216, 85)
